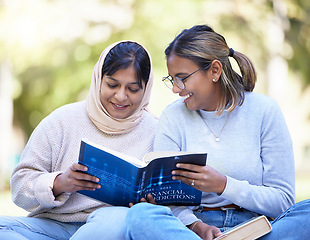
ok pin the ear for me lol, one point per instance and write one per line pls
(216, 70)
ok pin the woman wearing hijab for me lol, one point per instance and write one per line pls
(47, 179)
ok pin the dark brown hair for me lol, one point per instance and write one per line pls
(124, 55)
(202, 45)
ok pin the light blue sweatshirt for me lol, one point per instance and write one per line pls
(254, 152)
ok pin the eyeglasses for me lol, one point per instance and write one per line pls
(169, 81)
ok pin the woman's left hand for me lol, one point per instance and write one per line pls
(205, 231)
(203, 178)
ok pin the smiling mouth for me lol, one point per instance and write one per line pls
(119, 106)
(187, 96)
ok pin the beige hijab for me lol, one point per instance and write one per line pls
(99, 115)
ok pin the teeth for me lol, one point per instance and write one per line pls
(119, 105)
(187, 96)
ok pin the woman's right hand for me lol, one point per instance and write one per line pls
(149, 199)
(74, 179)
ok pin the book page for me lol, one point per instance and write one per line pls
(130, 159)
(160, 154)
(249, 230)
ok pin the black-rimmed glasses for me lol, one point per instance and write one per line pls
(169, 81)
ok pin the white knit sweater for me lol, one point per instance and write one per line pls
(54, 146)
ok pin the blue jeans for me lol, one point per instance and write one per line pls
(292, 224)
(147, 221)
(23, 228)
(105, 223)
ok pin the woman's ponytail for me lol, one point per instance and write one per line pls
(247, 70)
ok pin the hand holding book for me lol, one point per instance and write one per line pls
(203, 178)
(205, 231)
(149, 199)
(75, 179)
(125, 180)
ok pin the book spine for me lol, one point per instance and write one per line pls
(82, 148)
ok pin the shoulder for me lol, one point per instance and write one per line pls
(149, 119)
(68, 114)
(64, 122)
(260, 108)
(70, 109)
(178, 112)
(177, 104)
(176, 109)
(255, 97)
(258, 101)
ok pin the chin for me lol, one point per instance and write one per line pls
(191, 108)
(118, 115)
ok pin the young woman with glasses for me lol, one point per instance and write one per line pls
(250, 163)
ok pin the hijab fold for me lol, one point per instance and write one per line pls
(96, 111)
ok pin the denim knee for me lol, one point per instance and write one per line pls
(6, 223)
(305, 204)
(106, 213)
(136, 213)
(142, 212)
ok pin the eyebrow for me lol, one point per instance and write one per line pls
(118, 80)
(180, 74)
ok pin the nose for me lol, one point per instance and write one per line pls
(176, 89)
(121, 95)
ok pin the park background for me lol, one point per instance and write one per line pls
(48, 49)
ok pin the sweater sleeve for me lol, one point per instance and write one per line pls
(277, 191)
(32, 179)
(185, 214)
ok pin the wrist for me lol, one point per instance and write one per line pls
(56, 186)
(222, 186)
(193, 225)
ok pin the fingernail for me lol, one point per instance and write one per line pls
(178, 165)
(173, 178)
(173, 172)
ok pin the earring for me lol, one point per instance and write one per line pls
(214, 79)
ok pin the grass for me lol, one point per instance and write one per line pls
(8, 208)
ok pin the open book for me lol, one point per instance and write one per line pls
(125, 180)
(249, 230)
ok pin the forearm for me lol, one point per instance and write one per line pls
(267, 200)
(33, 192)
(183, 213)
(204, 230)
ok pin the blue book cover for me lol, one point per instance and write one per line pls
(125, 180)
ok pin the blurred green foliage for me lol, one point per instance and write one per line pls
(298, 38)
(58, 69)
